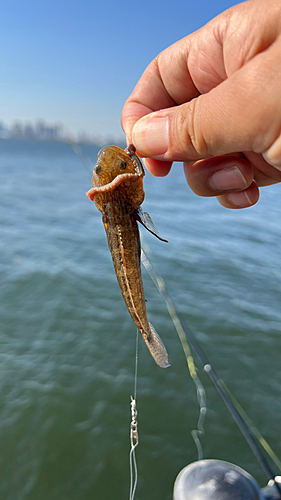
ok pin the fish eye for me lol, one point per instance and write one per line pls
(98, 169)
(123, 164)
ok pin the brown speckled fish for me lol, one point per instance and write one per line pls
(118, 193)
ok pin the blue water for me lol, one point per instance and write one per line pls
(67, 342)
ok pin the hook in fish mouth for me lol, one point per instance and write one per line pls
(131, 151)
(120, 179)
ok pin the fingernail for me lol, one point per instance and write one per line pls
(151, 136)
(241, 199)
(228, 179)
(273, 154)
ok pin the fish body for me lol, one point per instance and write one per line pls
(117, 189)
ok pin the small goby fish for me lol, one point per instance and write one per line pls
(118, 194)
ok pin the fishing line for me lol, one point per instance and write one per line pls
(244, 423)
(246, 431)
(253, 428)
(134, 437)
(88, 164)
(220, 386)
(201, 395)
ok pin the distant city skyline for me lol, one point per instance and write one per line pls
(42, 131)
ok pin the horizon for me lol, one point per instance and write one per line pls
(41, 131)
(76, 63)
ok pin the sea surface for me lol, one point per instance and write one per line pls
(67, 342)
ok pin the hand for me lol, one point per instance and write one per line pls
(213, 101)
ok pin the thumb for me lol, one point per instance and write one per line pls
(243, 113)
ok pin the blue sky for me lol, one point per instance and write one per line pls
(76, 62)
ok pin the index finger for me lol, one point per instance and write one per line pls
(190, 67)
(166, 82)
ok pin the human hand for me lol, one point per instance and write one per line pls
(213, 101)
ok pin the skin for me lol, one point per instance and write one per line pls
(213, 101)
(118, 193)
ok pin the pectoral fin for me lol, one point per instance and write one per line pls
(157, 348)
(145, 220)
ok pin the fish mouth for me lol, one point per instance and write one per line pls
(126, 178)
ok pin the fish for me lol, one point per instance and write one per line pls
(117, 190)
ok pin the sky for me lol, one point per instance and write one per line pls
(75, 62)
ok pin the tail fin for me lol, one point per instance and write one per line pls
(157, 348)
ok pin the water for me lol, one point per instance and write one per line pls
(67, 343)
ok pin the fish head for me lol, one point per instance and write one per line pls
(113, 161)
(118, 170)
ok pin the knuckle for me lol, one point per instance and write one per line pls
(188, 131)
